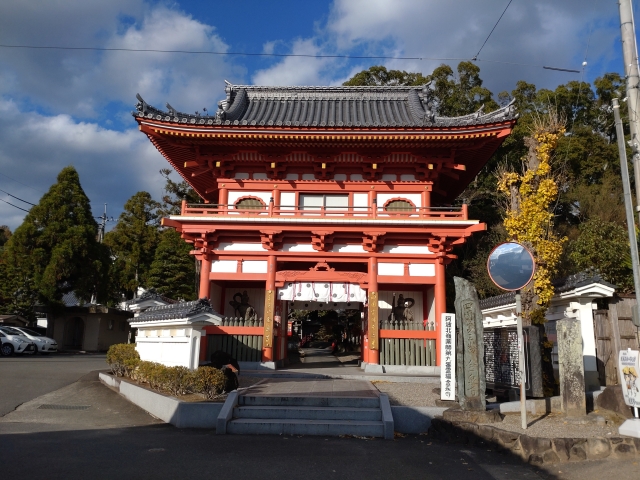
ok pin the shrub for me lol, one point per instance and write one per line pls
(178, 380)
(209, 382)
(123, 359)
(152, 373)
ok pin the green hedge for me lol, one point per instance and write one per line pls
(124, 361)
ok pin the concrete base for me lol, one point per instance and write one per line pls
(472, 416)
(414, 419)
(586, 420)
(169, 409)
(630, 428)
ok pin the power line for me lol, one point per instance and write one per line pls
(246, 54)
(9, 203)
(23, 184)
(281, 55)
(33, 204)
(494, 27)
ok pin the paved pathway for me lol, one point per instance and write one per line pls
(312, 387)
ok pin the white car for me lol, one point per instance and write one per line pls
(13, 342)
(43, 344)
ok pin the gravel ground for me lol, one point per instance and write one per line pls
(547, 426)
(553, 426)
(408, 394)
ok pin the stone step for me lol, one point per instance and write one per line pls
(255, 426)
(308, 413)
(308, 401)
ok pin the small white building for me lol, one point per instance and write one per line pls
(171, 334)
(575, 297)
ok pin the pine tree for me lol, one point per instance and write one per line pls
(54, 251)
(173, 269)
(133, 242)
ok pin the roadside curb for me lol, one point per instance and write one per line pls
(535, 450)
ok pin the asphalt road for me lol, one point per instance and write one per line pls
(24, 377)
(111, 438)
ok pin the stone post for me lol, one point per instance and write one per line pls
(469, 347)
(572, 392)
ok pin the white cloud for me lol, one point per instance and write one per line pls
(545, 32)
(298, 70)
(82, 83)
(112, 165)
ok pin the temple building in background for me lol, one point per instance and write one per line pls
(318, 198)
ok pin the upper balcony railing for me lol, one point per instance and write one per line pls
(373, 212)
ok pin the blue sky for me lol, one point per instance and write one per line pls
(70, 107)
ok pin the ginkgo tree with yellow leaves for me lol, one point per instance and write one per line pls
(530, 197)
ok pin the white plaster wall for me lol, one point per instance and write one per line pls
(340, 177)
(241, 247)
(416, 198)
(420, 249)
(361, 203)
(298, 247)
(224, 266)
(176, 351)
(254, 266)
(241, 176)
(288, 199)
(422, 270)
(345, 248)
(391, 269)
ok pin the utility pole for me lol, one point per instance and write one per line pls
(626, 188)
(630, 56)
(103, 223)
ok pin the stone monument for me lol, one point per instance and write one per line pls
(469, 358)
(572, 391)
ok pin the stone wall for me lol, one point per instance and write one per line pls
(535, 450)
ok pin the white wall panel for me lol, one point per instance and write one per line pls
(393, 269)
(298, 247)
(254, 266)
(422, 249)
(343, 248)
(241, 247)
(422, 270)
(224, 266)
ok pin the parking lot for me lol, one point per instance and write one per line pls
(25, 377)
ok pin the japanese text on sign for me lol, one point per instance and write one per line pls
(448, 357)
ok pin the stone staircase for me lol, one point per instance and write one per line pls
(251, 414)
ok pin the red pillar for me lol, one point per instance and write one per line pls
(269, 307)
(223, 198)
(205, 283)
(440, 301)
(374, 352)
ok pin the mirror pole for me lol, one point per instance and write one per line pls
(521, 364)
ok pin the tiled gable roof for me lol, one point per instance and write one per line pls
(370, 106)
(175, 311)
